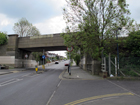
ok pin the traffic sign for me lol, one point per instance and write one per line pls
(26, 56)
(43, 56)
(69, 49)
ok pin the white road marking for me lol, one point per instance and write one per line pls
(9, 82)
(34, 75)
(59, 84)
(123, 88)
(26, 75)
(48, 103)
(50, 98)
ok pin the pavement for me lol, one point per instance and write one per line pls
(8, 71)
(76, 73)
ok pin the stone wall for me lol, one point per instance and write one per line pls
(3, 49)
(10, 60)
(96, 67)
(19, 63)
(7, 60)
(92, 66)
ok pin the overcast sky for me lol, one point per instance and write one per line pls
(46, 15)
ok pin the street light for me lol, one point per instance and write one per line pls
(117, 48)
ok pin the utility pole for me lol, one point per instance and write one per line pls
(118, 50)
(69, 49)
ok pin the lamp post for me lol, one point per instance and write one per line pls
(117, 48)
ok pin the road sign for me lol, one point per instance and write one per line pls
(70, 49)
(43, 56)
(26, 56)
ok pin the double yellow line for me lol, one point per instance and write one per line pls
(97, 97)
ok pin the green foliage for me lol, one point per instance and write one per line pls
(47, 60)
(91, 22)
(75, 54)
(3, 38)
(24, 28)
(128, 70)
(57, 57)
(37, 56)
(133, 43)
(111, 46)
(77, 59)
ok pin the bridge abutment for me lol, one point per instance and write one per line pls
(12, 45)
(12, 56)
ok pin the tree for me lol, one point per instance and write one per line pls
(37, 55)
(91, 22)
(3, 38)
(133, 43)
(24, 28)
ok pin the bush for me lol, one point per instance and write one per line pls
(133, 43)
(3, 38)
(77, 59)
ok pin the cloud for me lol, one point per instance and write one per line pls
(51, 26)
(45, 14)
(33, 10)
(6, 24)
(134, 7)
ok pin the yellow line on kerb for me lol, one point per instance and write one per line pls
(97, 97)
(60, 76)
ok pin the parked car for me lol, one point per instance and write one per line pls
(67, 63)
(56, 62)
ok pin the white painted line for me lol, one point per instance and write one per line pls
(123, 88)
(59, 83)
(34, 75)
(26, 75)
(8, 81)
(50, 98)
(48, 103)
(4, 84)
(118, 86)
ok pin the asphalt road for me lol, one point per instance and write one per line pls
(95, 92)
(29, 88)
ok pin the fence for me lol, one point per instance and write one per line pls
(128, 66)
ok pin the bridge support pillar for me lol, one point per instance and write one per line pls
(13, 51)
(12, 45)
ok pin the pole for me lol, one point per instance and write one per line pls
(109, 63)
(43, 58)
(26, 63)
(104, 64)
(117, 52)
(115, 66)
(69, 65)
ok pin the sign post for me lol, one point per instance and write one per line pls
(69, 49)
(26, 56)
(36, 68)
(43, 56)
